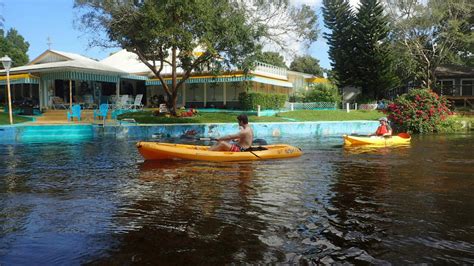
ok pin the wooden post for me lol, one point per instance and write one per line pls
(225, 92)
(184, 95)
(70, 94)
(205, 94)
(117, 89)
(10, 111)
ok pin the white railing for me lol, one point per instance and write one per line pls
(270, 70)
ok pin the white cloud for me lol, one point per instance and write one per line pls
(306, 2)
(318, 3)
(354, 3)
(318, 49)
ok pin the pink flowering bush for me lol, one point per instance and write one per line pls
(418, 111)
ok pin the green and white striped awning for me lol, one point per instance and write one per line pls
(20, 79)
(157, 82)
(74, 75)
(134, 77)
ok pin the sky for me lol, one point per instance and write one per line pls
(38, 20)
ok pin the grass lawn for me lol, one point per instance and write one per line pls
(332, 115)
(5, 120)
(467, 118)
(146, 117)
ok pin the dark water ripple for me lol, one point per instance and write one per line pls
(97, 202)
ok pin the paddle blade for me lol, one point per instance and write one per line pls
(404, 135)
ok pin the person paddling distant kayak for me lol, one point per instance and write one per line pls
(384, 129)
(244, 137)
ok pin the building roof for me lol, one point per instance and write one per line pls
(454, 71)
(130, 63)
(61, 61)
(126, 61)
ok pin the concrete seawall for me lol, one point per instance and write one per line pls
(67, 132)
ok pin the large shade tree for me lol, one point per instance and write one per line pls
(307, 64)
(272, 58)
(15, 46)
(432, 33)
(190, 35)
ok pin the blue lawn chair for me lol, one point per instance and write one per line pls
(102, 112)
(75, 112)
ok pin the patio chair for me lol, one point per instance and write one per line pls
(164, 108)
(58, 103)
(122, 103)
(75, 112)
(137, 104)
(89, 101)
(102, 111)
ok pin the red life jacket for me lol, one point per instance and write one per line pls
(381, 130)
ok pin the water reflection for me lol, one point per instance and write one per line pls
(190, 212)
(97, 202)
(395, 197)
(376, 149)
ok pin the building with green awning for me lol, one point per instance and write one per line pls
(55, 76)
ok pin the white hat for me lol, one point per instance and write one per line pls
(383, 119)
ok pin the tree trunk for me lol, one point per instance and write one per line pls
(174, 89)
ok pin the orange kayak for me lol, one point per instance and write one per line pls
(163, 151)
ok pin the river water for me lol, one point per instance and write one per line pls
(97, 202)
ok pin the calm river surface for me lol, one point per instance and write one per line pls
(97, 202)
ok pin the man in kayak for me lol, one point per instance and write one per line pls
(384, 129)
(244, 137)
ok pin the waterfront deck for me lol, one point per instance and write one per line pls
(465, 100)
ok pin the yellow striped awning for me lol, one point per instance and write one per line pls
(317, 80)
(19, 79)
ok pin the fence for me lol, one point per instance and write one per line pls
(311, 106)
(368, 106)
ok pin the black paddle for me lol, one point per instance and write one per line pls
(368, 135)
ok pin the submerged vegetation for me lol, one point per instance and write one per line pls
(147, 117)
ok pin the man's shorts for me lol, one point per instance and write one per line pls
(235, 148)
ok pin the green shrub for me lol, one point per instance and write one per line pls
(450, 125)
(364, 99)
(250, 100)
(322, 93)
(297, 97)
(419, 111)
